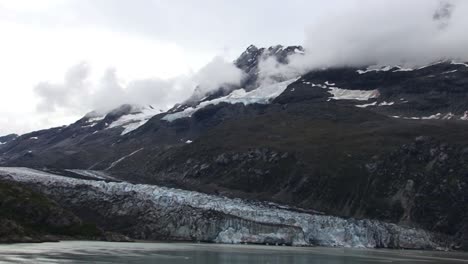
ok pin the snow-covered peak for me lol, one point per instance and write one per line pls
(130, 117)
(262, 95)
(134, 119)
(251, 48)
(401, 68)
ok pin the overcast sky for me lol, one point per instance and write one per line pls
(60, 59)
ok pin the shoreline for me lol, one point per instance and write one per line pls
(240, 245)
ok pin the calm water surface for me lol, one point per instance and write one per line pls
(174, 253)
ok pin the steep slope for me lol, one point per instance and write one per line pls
(27, 216)
(437, 91)
(98, 141)
(82, 144)
(7, 138)
(90, 143)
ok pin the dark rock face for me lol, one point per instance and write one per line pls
(7, 138)
(428, 185)
(439, 88)
(251, 58)
(249, 62)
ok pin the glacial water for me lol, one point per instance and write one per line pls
(175, 253)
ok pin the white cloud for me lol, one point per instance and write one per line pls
(31, 54)
(78, 94)
(214, 75)
(386, 33)
(70, 94)
(368, 32)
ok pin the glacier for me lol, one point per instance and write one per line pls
(172, 214)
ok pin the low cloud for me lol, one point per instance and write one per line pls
(215, 75)
(67, 94)
(369, 32)
(78, 94)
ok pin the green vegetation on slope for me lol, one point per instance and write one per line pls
(27, 216)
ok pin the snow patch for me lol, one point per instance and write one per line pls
(133, 121)
(366, 105)
(448, 72)
(459, 63)
(95, 119)
(34, 138)
(188, 141)
(385, 103)
(436, 116)
(399, 68)
(465, 116)
(345, 94)
(296, 50)
(402, 69)
(360, 95)
(447, 116)
(375, 68)
(264, 94)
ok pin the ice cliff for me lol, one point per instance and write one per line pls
(153, 212)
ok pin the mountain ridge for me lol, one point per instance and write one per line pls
(362, 142)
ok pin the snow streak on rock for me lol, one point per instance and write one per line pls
(99, 175)
(113, 164)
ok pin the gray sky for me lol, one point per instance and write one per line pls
(63, 58)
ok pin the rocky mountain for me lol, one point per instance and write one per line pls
(385, 143)
(7, 138)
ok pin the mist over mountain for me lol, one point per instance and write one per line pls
(354, 34)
